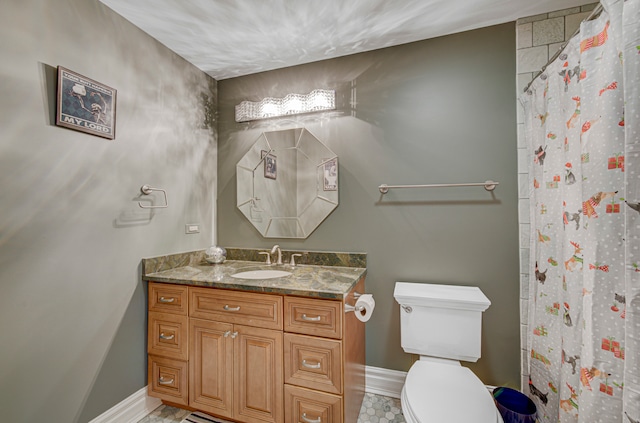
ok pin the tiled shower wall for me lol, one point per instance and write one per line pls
(538, 38)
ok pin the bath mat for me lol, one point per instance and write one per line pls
(198, 417)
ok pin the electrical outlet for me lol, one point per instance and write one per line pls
(191, 228)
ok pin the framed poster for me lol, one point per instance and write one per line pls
(270, 170)
(85, 105)
(330, 168)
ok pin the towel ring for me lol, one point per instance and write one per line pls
(146, 190)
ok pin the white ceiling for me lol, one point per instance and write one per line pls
(229, 38)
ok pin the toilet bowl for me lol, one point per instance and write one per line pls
(442, 323)
(437, 392)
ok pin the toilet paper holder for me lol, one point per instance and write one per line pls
(349, 307)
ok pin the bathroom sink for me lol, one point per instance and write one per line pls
(261, 274)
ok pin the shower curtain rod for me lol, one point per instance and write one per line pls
(594, 14)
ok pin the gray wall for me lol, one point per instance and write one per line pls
(72, 304)
(436, 111)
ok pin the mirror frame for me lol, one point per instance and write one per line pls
(260, 173)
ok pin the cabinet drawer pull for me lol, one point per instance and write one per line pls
(167, 300)
(227, 308)
(311, 319)
(308, 420)
(161, 381)
(311, 366)
(168, 338)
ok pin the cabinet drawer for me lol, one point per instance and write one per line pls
(168, 379)
(168, 335)
(245, 308)
(306, 406)
(168, 298)
(313, 317)
(314, 363)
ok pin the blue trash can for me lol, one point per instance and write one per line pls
(514, 406)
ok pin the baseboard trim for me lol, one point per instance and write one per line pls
(385, 382)
(379, 381)
(130, 410)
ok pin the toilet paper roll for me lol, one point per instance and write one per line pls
(364, 307)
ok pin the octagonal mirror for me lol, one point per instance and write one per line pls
(287, 183)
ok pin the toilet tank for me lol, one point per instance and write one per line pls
(441, 320)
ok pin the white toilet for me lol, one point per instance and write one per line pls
(443, 323)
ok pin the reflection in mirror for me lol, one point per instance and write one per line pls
(287, 183)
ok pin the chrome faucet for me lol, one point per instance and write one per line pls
(277, 248)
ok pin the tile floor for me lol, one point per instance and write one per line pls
(375, 409)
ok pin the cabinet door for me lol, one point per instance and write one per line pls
(211, 367)
(258, 385)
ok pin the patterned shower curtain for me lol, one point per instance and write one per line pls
(582, 125)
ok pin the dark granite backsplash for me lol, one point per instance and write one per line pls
(308, 257)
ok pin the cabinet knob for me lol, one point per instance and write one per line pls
(308, 420)
(311, 366)
(168, 338)
(167, 300)
(310, 319)
(227, 333)
(161, 381)
(234, 334)
(227, 308)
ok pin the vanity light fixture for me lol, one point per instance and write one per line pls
(291, 104)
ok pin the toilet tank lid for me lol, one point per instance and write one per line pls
(443, 296)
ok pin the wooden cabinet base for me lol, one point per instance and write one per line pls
(256, 357)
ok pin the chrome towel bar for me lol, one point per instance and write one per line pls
(488, 185)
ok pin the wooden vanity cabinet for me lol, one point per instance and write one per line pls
(254, 357)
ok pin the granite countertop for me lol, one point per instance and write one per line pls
(307, 280)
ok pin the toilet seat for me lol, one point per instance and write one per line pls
(437, 392)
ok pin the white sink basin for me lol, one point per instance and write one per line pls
(261, 274)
